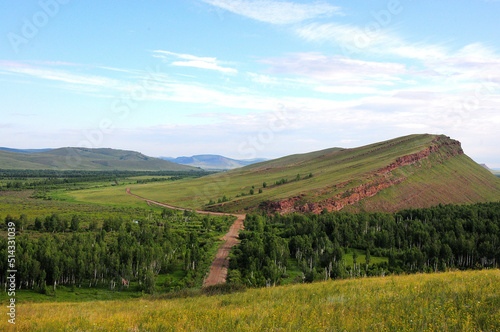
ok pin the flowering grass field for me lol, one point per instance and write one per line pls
(452, 301)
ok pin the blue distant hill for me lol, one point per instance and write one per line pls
(25, 150)
(212, 162)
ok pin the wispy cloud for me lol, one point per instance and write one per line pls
(162, 87)
(276, 12)
(338, 74)
(347, 89)
(189, 60)
(355, 40)
(53, 74)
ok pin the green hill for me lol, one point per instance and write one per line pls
(411, 171)
(87, 159)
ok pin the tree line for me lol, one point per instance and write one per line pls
(412, 240)
(50, 179)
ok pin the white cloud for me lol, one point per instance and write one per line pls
(276, 12)
(264, 79)
(436, 61)
(346, 89)
(52, 74)
(338, 73)
(356, 40)
(467, 108)
(193, 61)
(347, 35)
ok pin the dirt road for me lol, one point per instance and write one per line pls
(218, 269)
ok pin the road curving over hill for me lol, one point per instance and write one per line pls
(218, 269)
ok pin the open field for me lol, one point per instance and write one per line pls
(15, 203)
(453, 301)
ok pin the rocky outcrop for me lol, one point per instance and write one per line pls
(335, 203)
(442, 146)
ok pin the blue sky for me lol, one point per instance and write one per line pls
(248, 78)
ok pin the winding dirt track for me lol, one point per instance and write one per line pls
(218, 269)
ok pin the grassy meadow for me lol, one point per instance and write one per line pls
(22, 202)
(452, 301)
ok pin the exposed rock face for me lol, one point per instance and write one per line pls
(447, 149)
(381, 179)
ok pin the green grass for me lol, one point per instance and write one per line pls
(74, 294)
(458, 180)
(453, 301)
(361, 259)
(110, 196)
(20, 202)
(294, 274)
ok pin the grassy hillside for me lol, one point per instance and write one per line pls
(86, 159)
(411, 171)
(454, 181)
(453, 301)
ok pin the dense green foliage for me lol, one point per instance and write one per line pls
(55, 250)
(415, 240)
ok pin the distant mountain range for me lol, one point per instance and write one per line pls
(85, 159)
(212, 162)
(24, 150)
